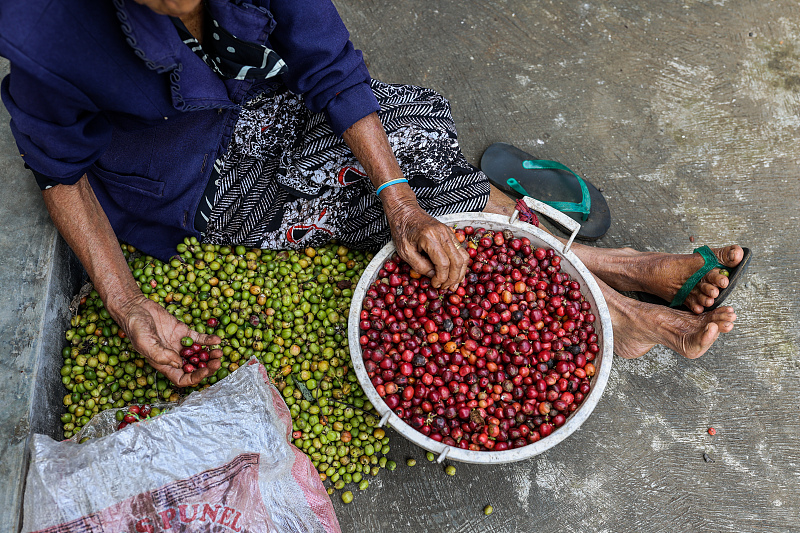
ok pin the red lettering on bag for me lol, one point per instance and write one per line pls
(235, 520)
(225, 514)
(234, 487)
(182, 509)
(166, 518)
(207, 511)
(144, 526)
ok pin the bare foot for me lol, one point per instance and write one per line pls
(639, 326)
(661, 274)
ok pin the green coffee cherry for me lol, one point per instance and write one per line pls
(287, 309)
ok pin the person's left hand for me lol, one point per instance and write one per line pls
(430, 247)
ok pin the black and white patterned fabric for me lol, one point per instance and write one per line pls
(229, 56)
(287, 182)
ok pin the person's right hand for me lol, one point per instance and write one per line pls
(427, 245)
(157, 335)
(154, 332)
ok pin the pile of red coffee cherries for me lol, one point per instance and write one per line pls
(499, 363)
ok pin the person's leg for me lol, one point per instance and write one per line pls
(661, 274)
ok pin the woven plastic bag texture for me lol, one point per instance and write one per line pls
(222, 461)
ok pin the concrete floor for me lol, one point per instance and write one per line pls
(686, 114)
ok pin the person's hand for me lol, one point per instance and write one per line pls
(157, 335)
(430, 247)
(154, 332)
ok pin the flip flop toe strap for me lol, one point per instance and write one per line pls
(585, 205)
(710, 264)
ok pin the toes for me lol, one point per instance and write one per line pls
(730, 256)
(716, 279)
(698, 343)
(717, 322)
(723, 318)
(708, 337)
(710, 290)
(709, 287)
(695, 305)
(723, 314)
(702, 297)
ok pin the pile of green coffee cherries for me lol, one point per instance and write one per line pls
(288, 309)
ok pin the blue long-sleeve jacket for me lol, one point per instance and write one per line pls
(108, 89)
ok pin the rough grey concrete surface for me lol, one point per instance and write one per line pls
(38, 275)
(686, 114)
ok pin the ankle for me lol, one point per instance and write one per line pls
(619, 269)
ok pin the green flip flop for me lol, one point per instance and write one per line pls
(518, 174)
(710, 263)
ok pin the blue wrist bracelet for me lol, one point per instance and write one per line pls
(389, 184)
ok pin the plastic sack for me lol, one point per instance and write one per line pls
(221, 462)
(105, 422)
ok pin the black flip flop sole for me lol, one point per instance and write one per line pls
(735, 274)
(502, 161)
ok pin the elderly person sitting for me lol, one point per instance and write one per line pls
(255, 122)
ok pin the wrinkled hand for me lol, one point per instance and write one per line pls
(157, 335)
(415, 233)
